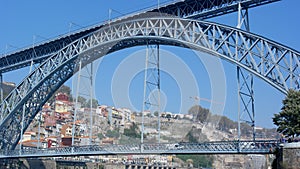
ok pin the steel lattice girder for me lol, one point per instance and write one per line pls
(220, 147)
(204, 9)
(196, 9)
(39, 52)
(276, 64)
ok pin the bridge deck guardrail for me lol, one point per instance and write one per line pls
(217, 147)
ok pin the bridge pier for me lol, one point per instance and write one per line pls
(245, 81)
(151, 99)
(289, 156)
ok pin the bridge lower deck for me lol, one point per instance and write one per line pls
(220, 147)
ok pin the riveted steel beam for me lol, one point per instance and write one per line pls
(205, 9)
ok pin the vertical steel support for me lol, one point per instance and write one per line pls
(39, 132)
(23, 115)
(246, 99)
(245, 82)
(158, 94)
(90, 78)
(1, 93)
(31, 66)
(40, 113)
(144, 97)
(151, 100)
(91, 104)
(1, 87)
(76, 103)
(243, 19)
(22, 129)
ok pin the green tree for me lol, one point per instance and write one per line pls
(199, 113)
(198, 160)
(113, 133)
(100, 136)
(195, 135)
(133, 131)
(82, 101)
(62, 89)
(246, 129)
(288, 120)
(94, 103)
(225, 124)
(191, 137)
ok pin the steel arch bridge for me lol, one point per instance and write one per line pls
(274, 63)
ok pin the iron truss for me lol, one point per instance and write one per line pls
(204, 9)
(221, 147)
(196, 9)
(38, 53)
(276, 64)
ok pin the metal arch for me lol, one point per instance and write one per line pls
(40, 52)
(274, 63)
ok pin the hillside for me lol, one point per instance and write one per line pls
(209, 127)
(121, 126)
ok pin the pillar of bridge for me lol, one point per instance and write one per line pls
(245, 81)
(91, 102)
(88, 77)
(151, 100)
(76, 101)
(1, 87)
(289, 155)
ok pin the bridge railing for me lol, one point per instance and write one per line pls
(217, 147)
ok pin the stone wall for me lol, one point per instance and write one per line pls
(291, 156)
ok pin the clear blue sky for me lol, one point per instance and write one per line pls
(26, 22)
